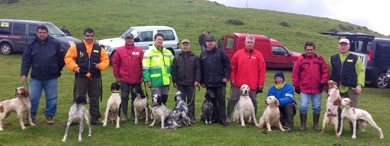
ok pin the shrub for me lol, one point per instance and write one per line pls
(285, 24)
(235, 22)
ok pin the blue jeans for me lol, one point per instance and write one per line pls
(50, 87)
(315, 100)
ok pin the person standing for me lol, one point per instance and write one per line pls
(284, 92)
(91, 59)
(45, 57)
(66, 31)
(202, 41)
(127, 69)
(248, 67)
(221, 41)
(347, 70)
(186, 76)
(310, 74)
(216, 69)
(157, 68)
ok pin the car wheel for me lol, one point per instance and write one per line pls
(6, 49)
(380, 81)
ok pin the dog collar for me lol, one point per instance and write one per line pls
(115, 91)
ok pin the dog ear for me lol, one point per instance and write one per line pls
(25, 92)
(277, 103)
(159, 99)
(350, 103)
(175, 98)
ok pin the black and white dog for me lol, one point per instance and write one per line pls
(141, 106)
(178, 114)
(160, 111)
(113, 105)
(77, 113)
(207, 108)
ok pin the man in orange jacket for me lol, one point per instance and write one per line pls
(90, 60)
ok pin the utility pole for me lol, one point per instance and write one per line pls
(247, 3)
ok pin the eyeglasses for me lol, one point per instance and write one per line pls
(89, 36)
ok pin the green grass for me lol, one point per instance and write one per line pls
(110, 18)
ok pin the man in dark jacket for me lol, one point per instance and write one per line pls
(46, 58)
(216, 70)
(66, 31)
(186, 76)
(221, 41)
(202, 41)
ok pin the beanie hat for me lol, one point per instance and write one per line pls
(279, 74)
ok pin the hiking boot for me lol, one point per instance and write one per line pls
(193, 121)
(97, 122)
(290, 128)
(49, 120)
(27, 123)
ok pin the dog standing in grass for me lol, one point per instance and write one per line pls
(141, 106)
(160, 111)
(77, 113)
(113, 105)
(332, 104)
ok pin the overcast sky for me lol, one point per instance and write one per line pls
(373, 14)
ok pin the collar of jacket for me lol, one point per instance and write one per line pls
(314, 55)
(38, 40)
(154, 48)
(189, 53)
(344, 54)
(212, 50)
(279, 86)
(129, 47)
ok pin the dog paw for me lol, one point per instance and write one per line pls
(146, 122)
(104, 124)
(382, 137)
(89, 135)
(117, 126)
(353, 137)
(243, 125)
(63, 140)
(32, 124)
(80, 140)
(24, 128)
(136, 122)
(151, 125)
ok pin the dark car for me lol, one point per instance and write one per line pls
(15, 34)
(374, 52)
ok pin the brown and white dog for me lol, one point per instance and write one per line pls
(245, 110)
(141, 106)
(332, 104)
(356, 115)
(20, 105)
(271, 115)
(113, 105)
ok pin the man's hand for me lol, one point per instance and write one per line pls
(233, 83)
(118, 80)
(142, 79)
(23, 78)
(196, 84)
(298, 91)
(224, 80)
(175, 85)
(358, 89)
(77, 70)
(149, 83)
(260, 87)
(321, 86)
(204, 85)
(96, 65)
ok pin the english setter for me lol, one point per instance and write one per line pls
(332, 104)
(356, 116)
(271, 115)
(20, 105)
(113, 105)
(178, 114)
(141, 105)
(245, 109)
(77, 113)
(207, 108)
(160, 111)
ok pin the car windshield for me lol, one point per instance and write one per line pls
(130, 30)
(53, 30)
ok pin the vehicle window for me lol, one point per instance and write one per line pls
(54, 30)
(145, 36)
(278, 50)
(229, 43)
(360, 46)
(19, 29)
(32, 30)
(5, 28)
(130, 30)
(382, 50)
(168, 34)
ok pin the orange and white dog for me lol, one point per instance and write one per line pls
(271, 115)
(20, 105)
(332, 104)
(356, 115)
(245, 109)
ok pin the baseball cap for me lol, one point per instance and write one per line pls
(185, 41)
(210, 38)
(129, 35)
(344, 41)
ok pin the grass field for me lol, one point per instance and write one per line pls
(110, 18)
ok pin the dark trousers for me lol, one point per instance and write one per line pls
(126, 89)
(189, 94)
(219, 103)
(93, 87)
(287, 113)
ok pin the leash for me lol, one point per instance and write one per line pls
(26, 84)
(193, 95)
(146, 92)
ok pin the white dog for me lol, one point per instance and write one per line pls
(20, 105)
(141, 106)
(245, 110)
(271, 115)
(160, 111)
(77, 113)
(113, 105)
(332, 104)
(356, 115)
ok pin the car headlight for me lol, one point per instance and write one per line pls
(388, 75)
(107, 48)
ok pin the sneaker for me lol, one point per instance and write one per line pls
(193, 121)
(97, 122)
(49, 120)
(26, 123)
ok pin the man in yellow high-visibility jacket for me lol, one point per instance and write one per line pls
(157, 67)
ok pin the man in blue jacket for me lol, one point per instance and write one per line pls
(284, 92)
(45, 57)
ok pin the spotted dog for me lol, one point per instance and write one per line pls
(207, 108)
(271, 115)
(20, 105)
(332, 104)
(178, 114)
(77, 113)
(141, 105)
(245, 109)
(160, 111)
(113, 105)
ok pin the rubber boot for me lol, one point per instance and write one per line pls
(316, 117)
(303, 122)
(125, 106)
(357, 127)
(132, 111)
(229, 108)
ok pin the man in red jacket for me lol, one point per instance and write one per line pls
(310, 74)
(127, 68)
(248, 67)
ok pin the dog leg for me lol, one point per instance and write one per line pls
(1, 125)
(66, 131)
(162, 122)
(20, 117)
(89, 125)
(324, 123)
(150, 112)
(261, 122)
(254, 118)
(29, 117)
(117, 122)
(341, 126)
(335, 121)
(81, 128)
(373, 124)
(154, 121)
(135, 115)
(354, 129)
(147, 114)
(242, 119)
(106, 116)
(280, 127)
(268, 126)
